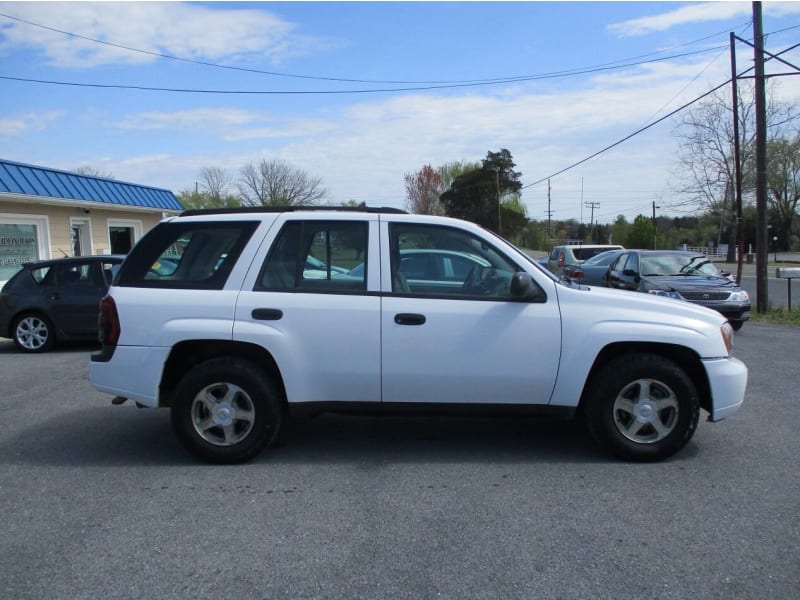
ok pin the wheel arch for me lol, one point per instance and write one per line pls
(187, 354)
(686, 358)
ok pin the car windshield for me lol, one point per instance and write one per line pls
(670, 265)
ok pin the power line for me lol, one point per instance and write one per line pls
(604, 66)
(466, 84)
(646, 127)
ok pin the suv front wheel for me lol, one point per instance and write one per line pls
(642, 407)
(226, 410)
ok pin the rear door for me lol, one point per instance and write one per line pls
(74, 296)
(312, 302)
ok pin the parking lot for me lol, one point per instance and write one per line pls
(100, 501)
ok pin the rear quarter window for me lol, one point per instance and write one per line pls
(186, 255)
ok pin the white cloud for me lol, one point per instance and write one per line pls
(211, 118)
(27, 122)
(177, 29)
(692, 13)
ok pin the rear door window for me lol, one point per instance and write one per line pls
(317, 256)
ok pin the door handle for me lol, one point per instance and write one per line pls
(267, 314)
(409, 319)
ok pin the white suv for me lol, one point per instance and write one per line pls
(236, 320)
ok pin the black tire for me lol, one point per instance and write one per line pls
(226, 410)
(33, 333)
(736, 325)
(641, 407)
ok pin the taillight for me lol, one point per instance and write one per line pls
(108, 322)
(560, 260)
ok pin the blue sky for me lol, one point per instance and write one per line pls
(361, 136)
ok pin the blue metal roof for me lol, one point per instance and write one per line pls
(30, 180)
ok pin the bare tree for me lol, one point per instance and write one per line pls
(423, 189)
(276, 183)
(216, 182)
(88, 170)
(783, 184)
(706, 171)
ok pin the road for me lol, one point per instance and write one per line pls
(101, 502)
(777, 290)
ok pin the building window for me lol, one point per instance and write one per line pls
(81, 236)
(123, 234)
(23, 238)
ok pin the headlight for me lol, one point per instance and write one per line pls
(740, 296)
(727, 336)
(666, 294)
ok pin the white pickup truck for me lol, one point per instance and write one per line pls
(238, 319)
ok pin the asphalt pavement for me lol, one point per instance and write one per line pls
(100, 501)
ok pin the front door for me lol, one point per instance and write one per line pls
(465, 342)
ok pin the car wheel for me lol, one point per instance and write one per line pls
(33, 333)
(226, 410)
(642, 407)
(736, 325)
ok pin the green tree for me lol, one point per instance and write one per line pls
(478, 195)
(194, 199)
(640, 234)
(448, 172)
(620, 230)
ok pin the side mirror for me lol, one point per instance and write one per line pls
(523, 287)
(629, 273)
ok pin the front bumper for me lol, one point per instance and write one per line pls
(733, 311)
(728, 381)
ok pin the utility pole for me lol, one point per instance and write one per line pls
(549, 212)
(499, 218)
(762, 301)
(737, 161)
(592, 205)
(654, 223)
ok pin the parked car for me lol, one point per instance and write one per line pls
(421, 268)
(575, 254)
(234, 348)
(681, 275)
(593, 270)
(50, 301)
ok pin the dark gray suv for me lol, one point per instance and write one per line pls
(55, 300)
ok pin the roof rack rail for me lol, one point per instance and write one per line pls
(280, 209)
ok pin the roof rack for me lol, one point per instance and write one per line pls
(281, 209)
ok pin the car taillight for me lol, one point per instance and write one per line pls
(108, 327)
(560, 260)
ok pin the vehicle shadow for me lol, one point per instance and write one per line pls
(126, 436)
(7, 347)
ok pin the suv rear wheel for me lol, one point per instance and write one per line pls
(642, 407)
(226, 410)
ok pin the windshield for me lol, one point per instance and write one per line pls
(670, 265)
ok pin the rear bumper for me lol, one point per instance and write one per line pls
(728, 380)
(133, 372)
